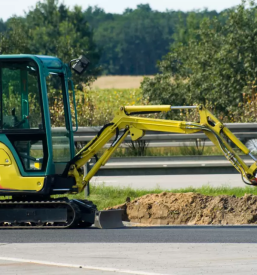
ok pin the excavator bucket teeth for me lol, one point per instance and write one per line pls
(109, 219)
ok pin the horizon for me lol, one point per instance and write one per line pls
(18, 8)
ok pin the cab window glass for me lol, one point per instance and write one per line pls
(21, 112)
(59, 120)
(21, 106)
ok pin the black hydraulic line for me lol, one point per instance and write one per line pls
(96, 158)
(116, 138)
(223, 149)
(103, 128)
(245, 182)
(97, 136)
(117, 135)
(77, 157)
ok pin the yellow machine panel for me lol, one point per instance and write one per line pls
(10, 177)
(4, 158)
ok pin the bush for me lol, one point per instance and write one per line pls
(217, 67)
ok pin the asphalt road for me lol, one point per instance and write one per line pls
(128, 258)
(170, 181)
(175, 250)
(168, 234)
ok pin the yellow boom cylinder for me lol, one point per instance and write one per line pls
(152, 108)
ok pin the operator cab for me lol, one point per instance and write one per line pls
(35, 115)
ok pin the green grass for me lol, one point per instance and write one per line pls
(107, 196)
(165, 151)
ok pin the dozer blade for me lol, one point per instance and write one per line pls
(109, 219)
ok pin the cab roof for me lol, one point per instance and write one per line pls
(50, 62)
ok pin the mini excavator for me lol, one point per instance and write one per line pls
(38, 160)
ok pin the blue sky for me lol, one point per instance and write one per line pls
(10, 7)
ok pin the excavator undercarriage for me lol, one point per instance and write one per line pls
(56, 213)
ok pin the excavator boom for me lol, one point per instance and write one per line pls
(127, 124)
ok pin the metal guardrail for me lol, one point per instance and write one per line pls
(243, 131)
(178, 165)
(161, 166)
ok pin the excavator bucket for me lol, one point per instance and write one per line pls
(109, 219)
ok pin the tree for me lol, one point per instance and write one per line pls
(132, 42)
(215, 67)
(56, 30)
(13, 37)
(51, 28)
(2, 25)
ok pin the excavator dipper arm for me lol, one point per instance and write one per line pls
(125, 123)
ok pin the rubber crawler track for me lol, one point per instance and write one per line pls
(72, 214)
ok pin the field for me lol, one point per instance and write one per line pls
(98, 104)
(96, 107)
(118, 82)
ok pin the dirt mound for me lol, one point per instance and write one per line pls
(191, 208)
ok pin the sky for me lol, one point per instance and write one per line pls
(17, 7)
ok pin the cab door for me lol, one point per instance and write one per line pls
(22, 126)
(61, 132)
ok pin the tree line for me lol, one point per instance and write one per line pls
(216, 65)
(204, 56)
(117, 44)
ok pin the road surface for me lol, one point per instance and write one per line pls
(144, 251)
(167, 234)
(170, 181)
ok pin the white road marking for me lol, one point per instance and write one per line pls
(79, 266)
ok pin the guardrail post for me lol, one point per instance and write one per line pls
(87, 168)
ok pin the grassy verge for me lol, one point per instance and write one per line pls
(164, 151)
(107, 196)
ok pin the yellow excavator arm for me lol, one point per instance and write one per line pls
(126, 123)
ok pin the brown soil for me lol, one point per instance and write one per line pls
(190, 209)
